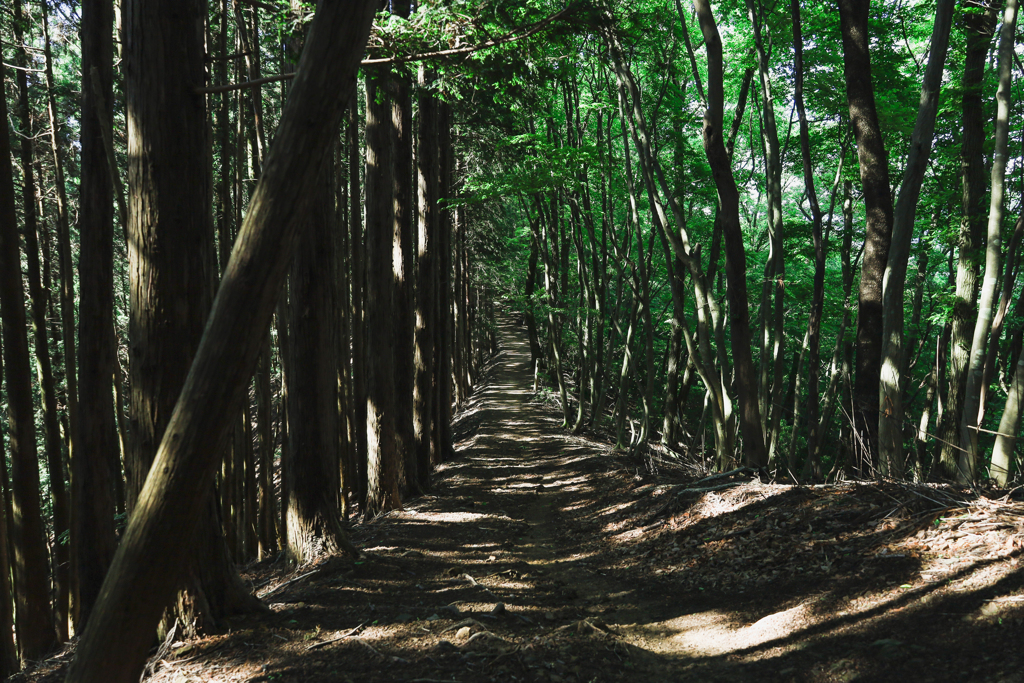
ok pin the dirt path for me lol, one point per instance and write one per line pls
(545, 557)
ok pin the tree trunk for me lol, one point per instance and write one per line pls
(34, 622)
(347, 425)
(172, 260)
(357, 254)
(874, 176)
(384, 462)
(1009, 425)
(536, 353)
(267, 512)
(402, 264)
(818, 292)
(92, 472)
(443, 367)
(311, 483)
(735, 258)
(1008, 279)
(38, 297)
(971, 420)
(148, 564)
(8, 652)
(971, 230)
(772, 340)
(426, 246)
(64, 260)
(890, 391)
(709, 321)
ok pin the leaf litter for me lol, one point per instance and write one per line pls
(542, 556)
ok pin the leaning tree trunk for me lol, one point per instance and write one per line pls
(148, 565)
(874, 176)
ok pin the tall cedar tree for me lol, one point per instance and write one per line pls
(402, 239)
(93, 472)
(426, 320)
(34, 621)
(171, 260)
(383, 460)
(311, 482)
(39, 297)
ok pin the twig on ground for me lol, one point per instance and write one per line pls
(335, 640)
(482, 634)
(287, 583)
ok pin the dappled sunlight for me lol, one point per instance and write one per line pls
(451, 517)
(536, 546)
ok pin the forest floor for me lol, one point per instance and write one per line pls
(542, 556)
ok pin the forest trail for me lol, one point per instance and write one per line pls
(542, 556)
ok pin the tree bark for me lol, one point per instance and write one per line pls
(979, 28)
(172, 261)
(426, 322)
(148, 563)
(874, 176)
(384, 462)
(890, 391)
(34, 622)
(971, 420)
(92, 472)
(735, 258)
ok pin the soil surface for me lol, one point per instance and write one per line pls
(543, 556)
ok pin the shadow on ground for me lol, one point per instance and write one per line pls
(546, 557)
